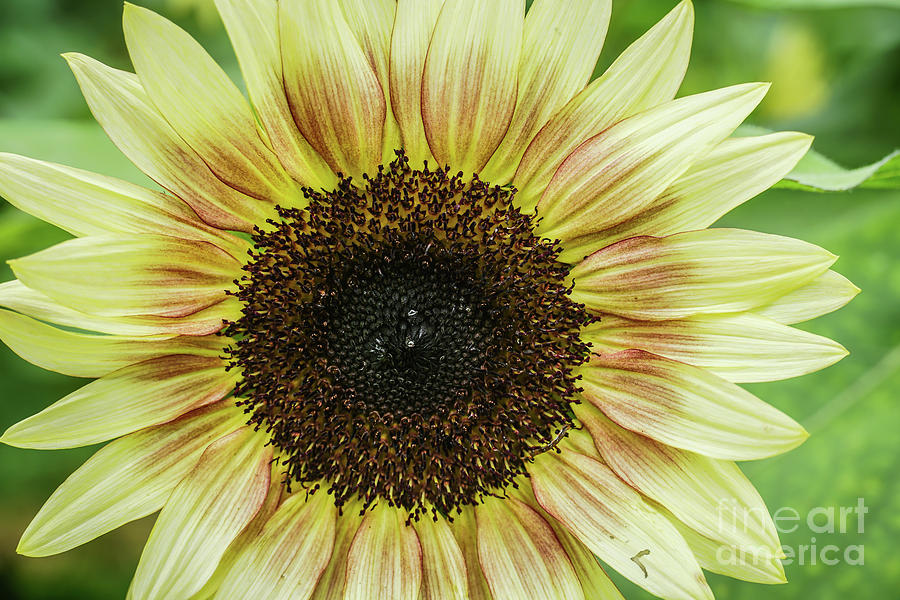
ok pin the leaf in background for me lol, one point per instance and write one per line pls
(814, 4)
(817, 173)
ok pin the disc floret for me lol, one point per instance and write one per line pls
(410, 340)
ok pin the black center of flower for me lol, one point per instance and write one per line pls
(408, 326)
(410, 341)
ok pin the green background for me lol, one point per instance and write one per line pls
(836, 74)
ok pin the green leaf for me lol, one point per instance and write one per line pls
(814, 4)
(818, 173)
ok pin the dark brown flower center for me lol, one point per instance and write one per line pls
(411, 340)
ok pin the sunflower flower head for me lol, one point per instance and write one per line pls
(431, 315)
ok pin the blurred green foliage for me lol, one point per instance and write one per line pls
(836, 74)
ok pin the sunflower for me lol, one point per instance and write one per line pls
(432, 315)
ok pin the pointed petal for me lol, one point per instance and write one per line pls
(824, 294)
(333, 93)
(248, 536)
(707, 271)
(469, 83)
(413, 27)
(205, 513)
(616, 174)
(16, 296)
(253, 28)
(742, 348)
(520, 555)
(561, 44)
(86, 355)
(114, 275)
(204, 106)
(148, 393)
(613, 521)
(331, 583)
(465, 530)
(443, 566)
(85, 203)
(286, 560)
(702, 492)
(127, 479)
(648, 73)
(385, 559)
(717, 557)
(124, 110)
(372, 22)
(686, 407)
(732, 173)
(595, 583)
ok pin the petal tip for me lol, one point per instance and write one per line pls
(8, 439)
(15, 438)
(686, 9)
(131, 11)
(760, 87)
(29, 550)
(800, 437)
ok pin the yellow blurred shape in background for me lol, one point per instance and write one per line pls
(204, 10)
(796, 68)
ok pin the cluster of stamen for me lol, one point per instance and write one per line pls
(409, 341)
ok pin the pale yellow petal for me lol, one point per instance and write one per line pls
(443, 565)
(686, 407)
(85, 203)
(716, 557)
(331, 583)
(16, 296)
(372, 23)
(116, 275)
(732, 173)
(561, 44)
(648, 73)
(248, 536)
(742, 348)
(124, 110)
(148, 393)
(611, 519)
(413, 27)
(289, 555)
(385, 558)
(86, 355)
(595, 583)
(618, 173)
(332, 90)
(253, 28)
(696, 272)
(465, 531)
(824, 294)
(127, 479)
(205, 513)
(520, 555)
(204, 106)
(702, 492)
(469, 83)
